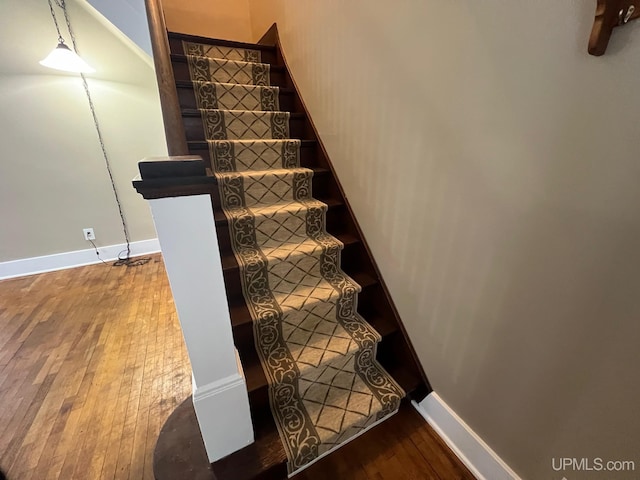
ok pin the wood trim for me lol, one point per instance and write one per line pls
(170, 167)
(182, 187)
(173, 127)
(176, 176)
(609, 15)
(272, 35)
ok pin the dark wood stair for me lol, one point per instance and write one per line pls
(308, 153)
(265, 458)
(181, 71)
(188, 99)
(194, 130)
(403, 437)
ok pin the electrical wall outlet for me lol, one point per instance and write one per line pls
(88, 234)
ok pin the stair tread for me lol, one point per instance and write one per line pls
(383, 324)
(205, 143)
(181, 58)
(220, 42)
(274, 171)
(256, 379)
(255, 176)
(195, 112)
(229, 262)
(281, 207)
(189, 84)
(221, 219)
(240, 313)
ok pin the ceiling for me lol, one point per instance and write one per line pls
(29, 35)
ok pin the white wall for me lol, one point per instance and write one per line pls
(53, 181)
(130, 17)
(493, 166)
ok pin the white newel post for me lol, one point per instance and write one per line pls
(187, 236)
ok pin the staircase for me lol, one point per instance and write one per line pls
(262, 138)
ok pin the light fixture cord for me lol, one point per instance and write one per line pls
(55, 21)
(126, 260)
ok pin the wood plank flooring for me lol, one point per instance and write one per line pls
(403, 447)
(92, 362)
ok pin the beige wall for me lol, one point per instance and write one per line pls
(227, 19)
(53, 182)
(493, 166)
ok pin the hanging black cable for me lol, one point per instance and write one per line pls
(124, 257)
(55, 22)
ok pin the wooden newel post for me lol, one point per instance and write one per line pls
(179, 194)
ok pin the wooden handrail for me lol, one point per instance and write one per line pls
(609, 15)
(173, 126)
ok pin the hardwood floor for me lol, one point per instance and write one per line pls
(403, 447)
(92, 363)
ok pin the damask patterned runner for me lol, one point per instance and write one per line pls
(230, 96)
(243, 155)
(317, 352)
(227, 53)
(240, 124)
(204, 69)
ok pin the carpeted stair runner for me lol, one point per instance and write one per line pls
(317, 352)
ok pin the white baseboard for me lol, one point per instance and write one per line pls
(77, 258)
(483, 462)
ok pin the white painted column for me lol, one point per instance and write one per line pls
(187, 235)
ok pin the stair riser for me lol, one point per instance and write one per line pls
(194, 131)
(393, 356)
(335, 217)
(319, 187)
(234, 288)
(233, 285)
(370, 305)
(187, 99)
(308, 155)
(243, 332)
(181, 73)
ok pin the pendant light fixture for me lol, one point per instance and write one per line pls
(65, 58)
(62, 57)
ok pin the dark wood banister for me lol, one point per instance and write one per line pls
(173, 126)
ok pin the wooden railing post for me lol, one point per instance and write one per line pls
(173, 126)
